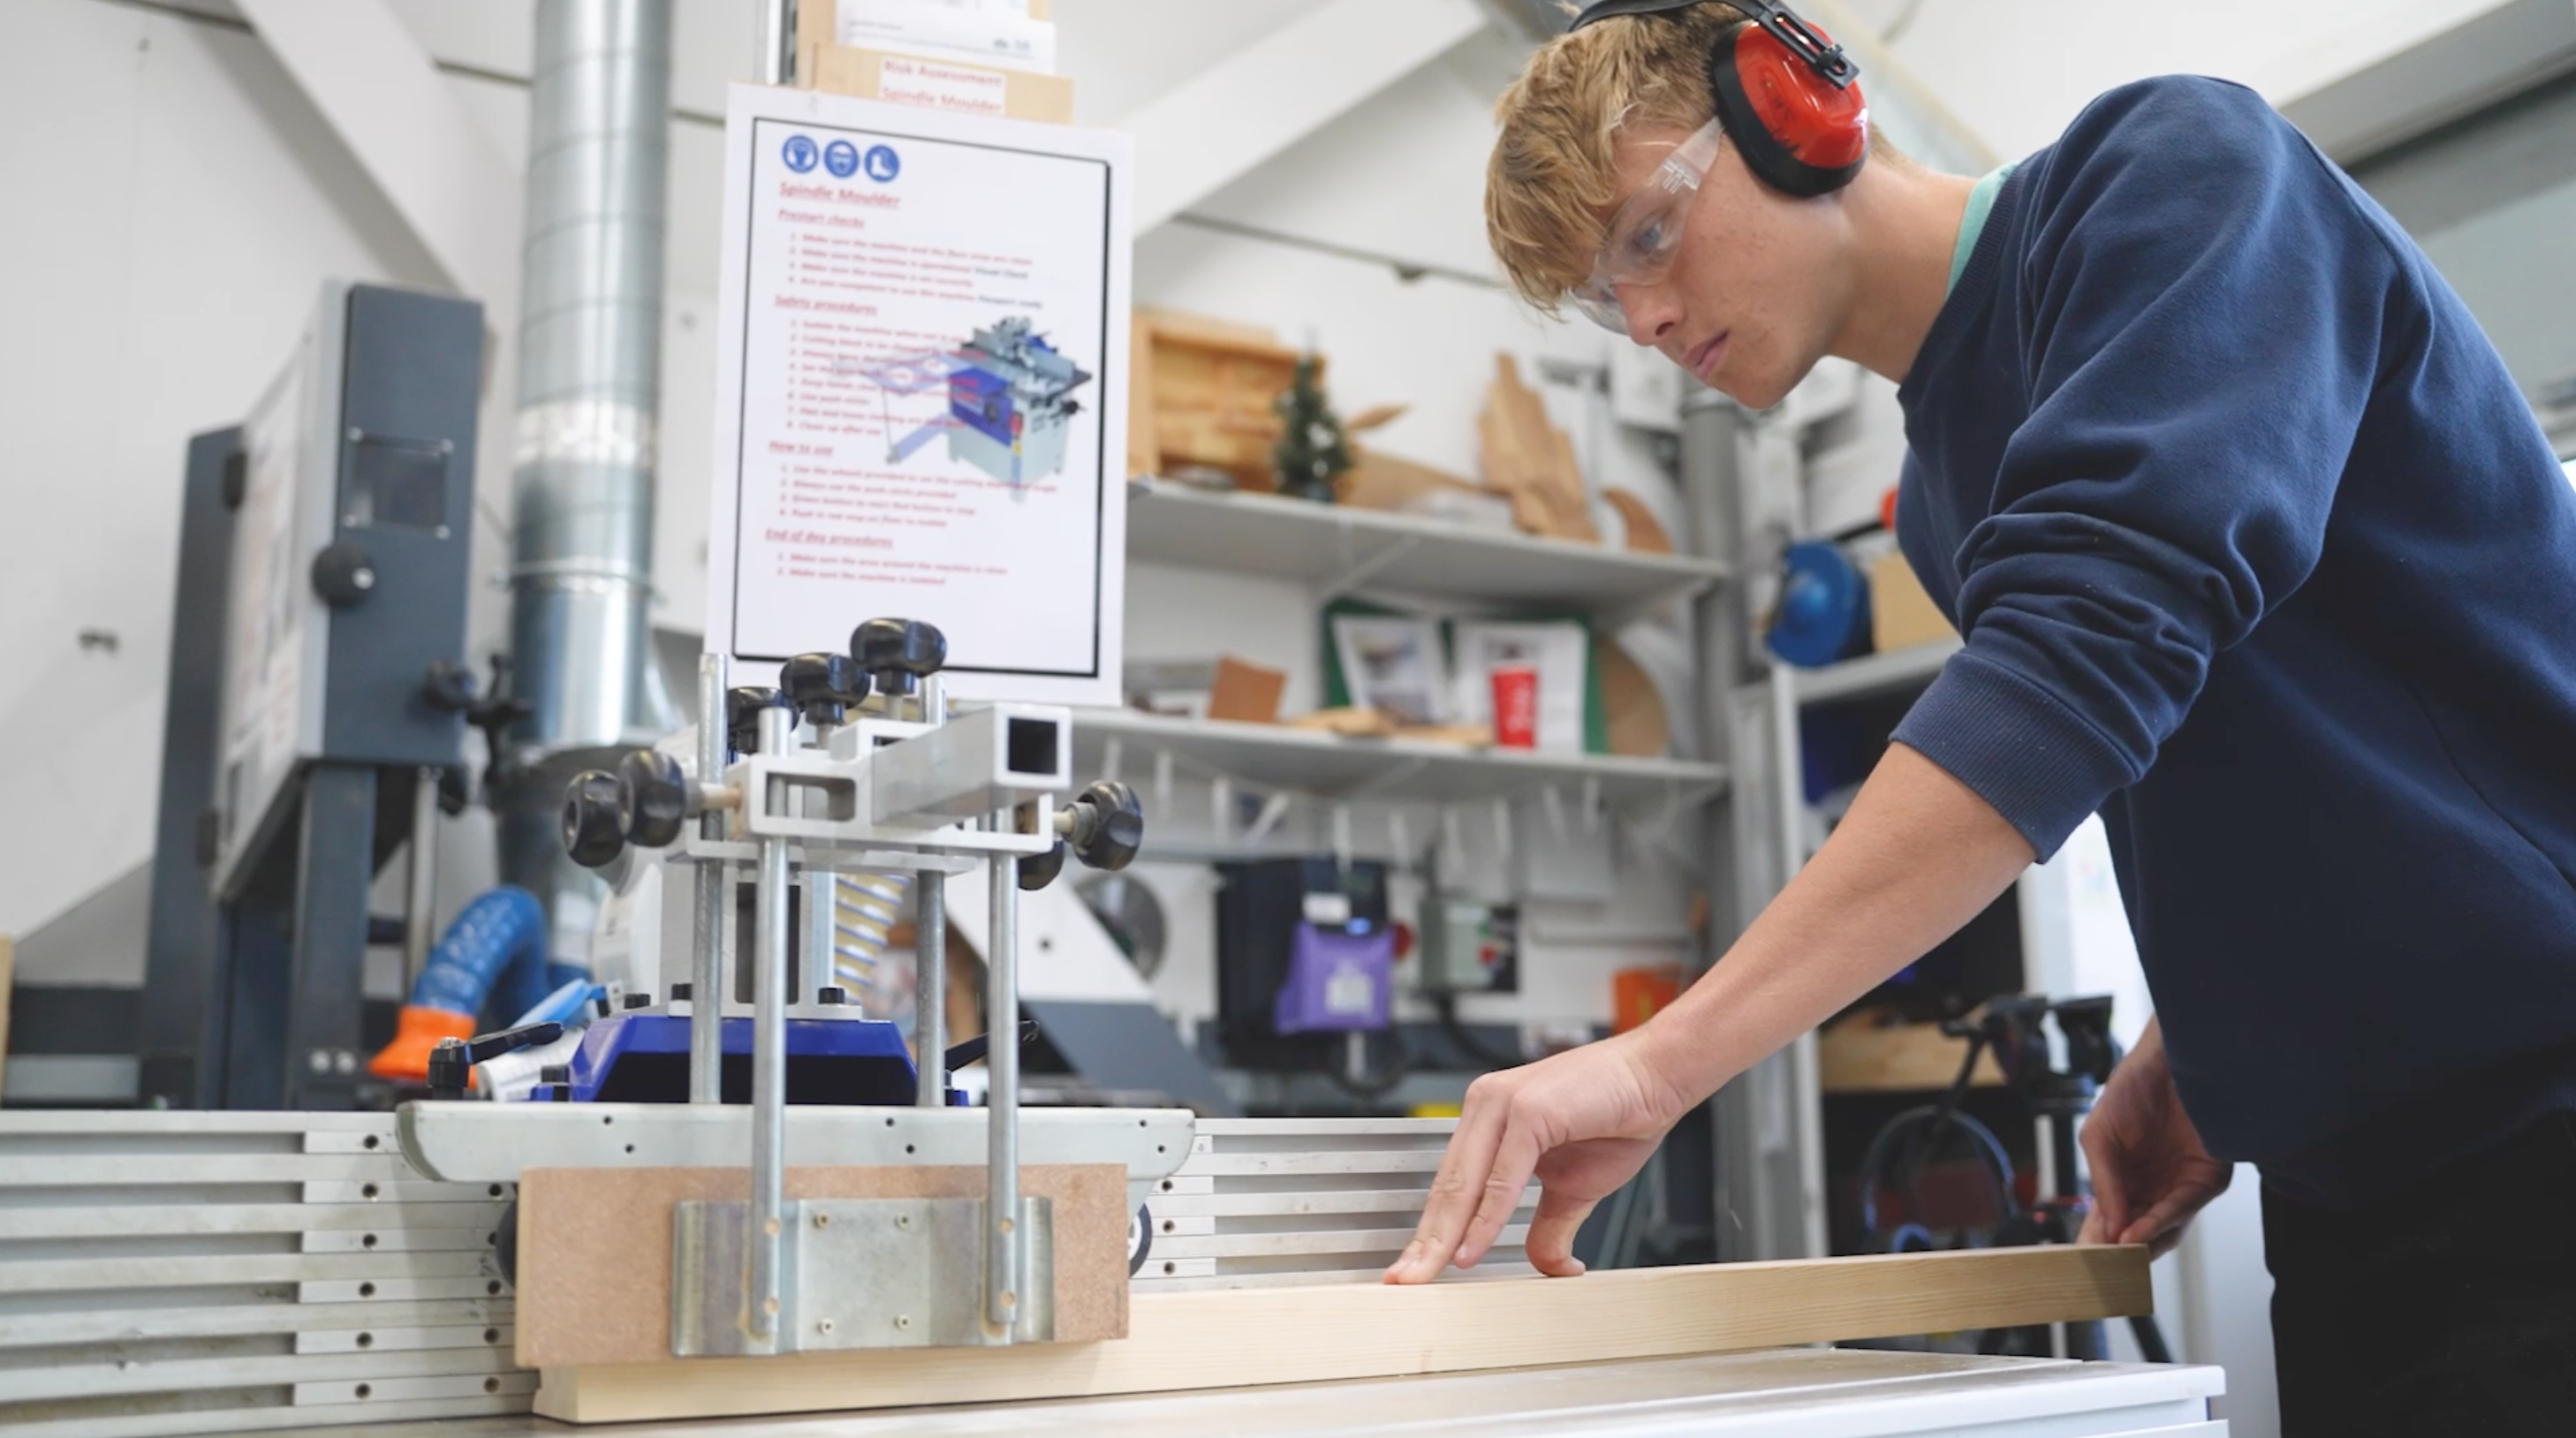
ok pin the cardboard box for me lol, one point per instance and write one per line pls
(932, 82)
(950, 85)
(1901, 615)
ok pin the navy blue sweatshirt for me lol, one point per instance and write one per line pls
(2259, 552)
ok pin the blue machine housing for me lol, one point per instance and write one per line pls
(644, 1058)
(981, 400)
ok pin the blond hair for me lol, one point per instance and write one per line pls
(1554, 176)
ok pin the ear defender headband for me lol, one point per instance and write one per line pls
(1787, 96)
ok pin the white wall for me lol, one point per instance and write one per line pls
(172, 206)
(2019, 70)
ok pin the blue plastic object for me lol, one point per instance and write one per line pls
(563, 1006)
(496, 949)
(1823, 612)
(644, 1058)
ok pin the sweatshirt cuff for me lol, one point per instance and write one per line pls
(2021, 749)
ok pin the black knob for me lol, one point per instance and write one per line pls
(742, 715)
(594, 832)
(654, 798)
(1108, 825)
(896, 653)
(447, 686)
(453, 1061)
(820, 686)
(1039, 870)
(343, 574)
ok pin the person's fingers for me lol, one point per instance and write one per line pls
(2110, 1190)
(2167, 1217)
(1455, 1191)
(2094, 1229)
(1551, 1233)
(1514, 1157)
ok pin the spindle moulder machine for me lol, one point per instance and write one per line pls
(850, 765)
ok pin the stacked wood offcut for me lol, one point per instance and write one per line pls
(1531, 461)
(1202, 397)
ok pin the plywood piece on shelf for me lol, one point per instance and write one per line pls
(1329, 1333)
(1645, 532)
(1246, 692)
(1530, 460)
(1348, 721)
(1201, 391)
(1630, 704)
(1901, 614)
(595, 1247)
(1859, 1056)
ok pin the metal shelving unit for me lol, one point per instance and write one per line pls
(1339, 549)
(1873, 676)
(1394, 769)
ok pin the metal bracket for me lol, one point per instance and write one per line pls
(855, 1273)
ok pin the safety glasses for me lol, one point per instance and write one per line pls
(1646, 233)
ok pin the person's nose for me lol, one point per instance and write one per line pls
(1651, 311)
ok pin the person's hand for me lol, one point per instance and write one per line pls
(1582, 1123)
(2150, 1170)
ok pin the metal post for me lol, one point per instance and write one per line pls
(930, 954)
(423, 876)
(713, 885)
(777, 42)
(930, 987)
(822, 899)
(769, 1047)
(1002, 1238)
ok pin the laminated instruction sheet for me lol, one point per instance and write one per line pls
(924, 343)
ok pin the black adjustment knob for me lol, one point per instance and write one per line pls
(594, 830)
(1108, 825)
(654, 798)
(343, 574)
(453, 1061)
(447, 686)
(897, 653)
(821, 686)
(1039, 870)
(742, 715)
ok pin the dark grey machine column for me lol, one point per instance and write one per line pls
(182, 1019)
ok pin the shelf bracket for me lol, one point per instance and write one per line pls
(1361, 571)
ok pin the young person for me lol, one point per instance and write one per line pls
(2257, 551)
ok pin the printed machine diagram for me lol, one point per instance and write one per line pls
(1010, 401)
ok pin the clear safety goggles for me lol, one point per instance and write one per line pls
(1646, 233)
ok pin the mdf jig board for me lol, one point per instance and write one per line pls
(922, 341)
(1248, 1337)
(595, 1269)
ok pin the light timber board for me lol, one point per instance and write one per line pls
(1223, 1339)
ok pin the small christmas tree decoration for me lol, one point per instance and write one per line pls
(1312, 451)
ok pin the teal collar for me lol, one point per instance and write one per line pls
(1981, 200)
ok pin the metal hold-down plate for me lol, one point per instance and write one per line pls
(854, 1273)
(473, 1141)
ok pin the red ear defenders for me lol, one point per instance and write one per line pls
(1786, 94)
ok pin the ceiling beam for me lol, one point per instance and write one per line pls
(384, 97)
(1262, 99)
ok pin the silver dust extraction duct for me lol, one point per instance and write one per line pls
(590, 352)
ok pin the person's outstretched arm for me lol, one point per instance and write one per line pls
(1917, 856)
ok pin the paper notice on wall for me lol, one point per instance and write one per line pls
(959, 89)
(924, 323)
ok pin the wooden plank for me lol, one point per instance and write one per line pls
(1239, 1338)
(1857, 1056)
(595, 1248)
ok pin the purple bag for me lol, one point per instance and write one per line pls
(1336, 981)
